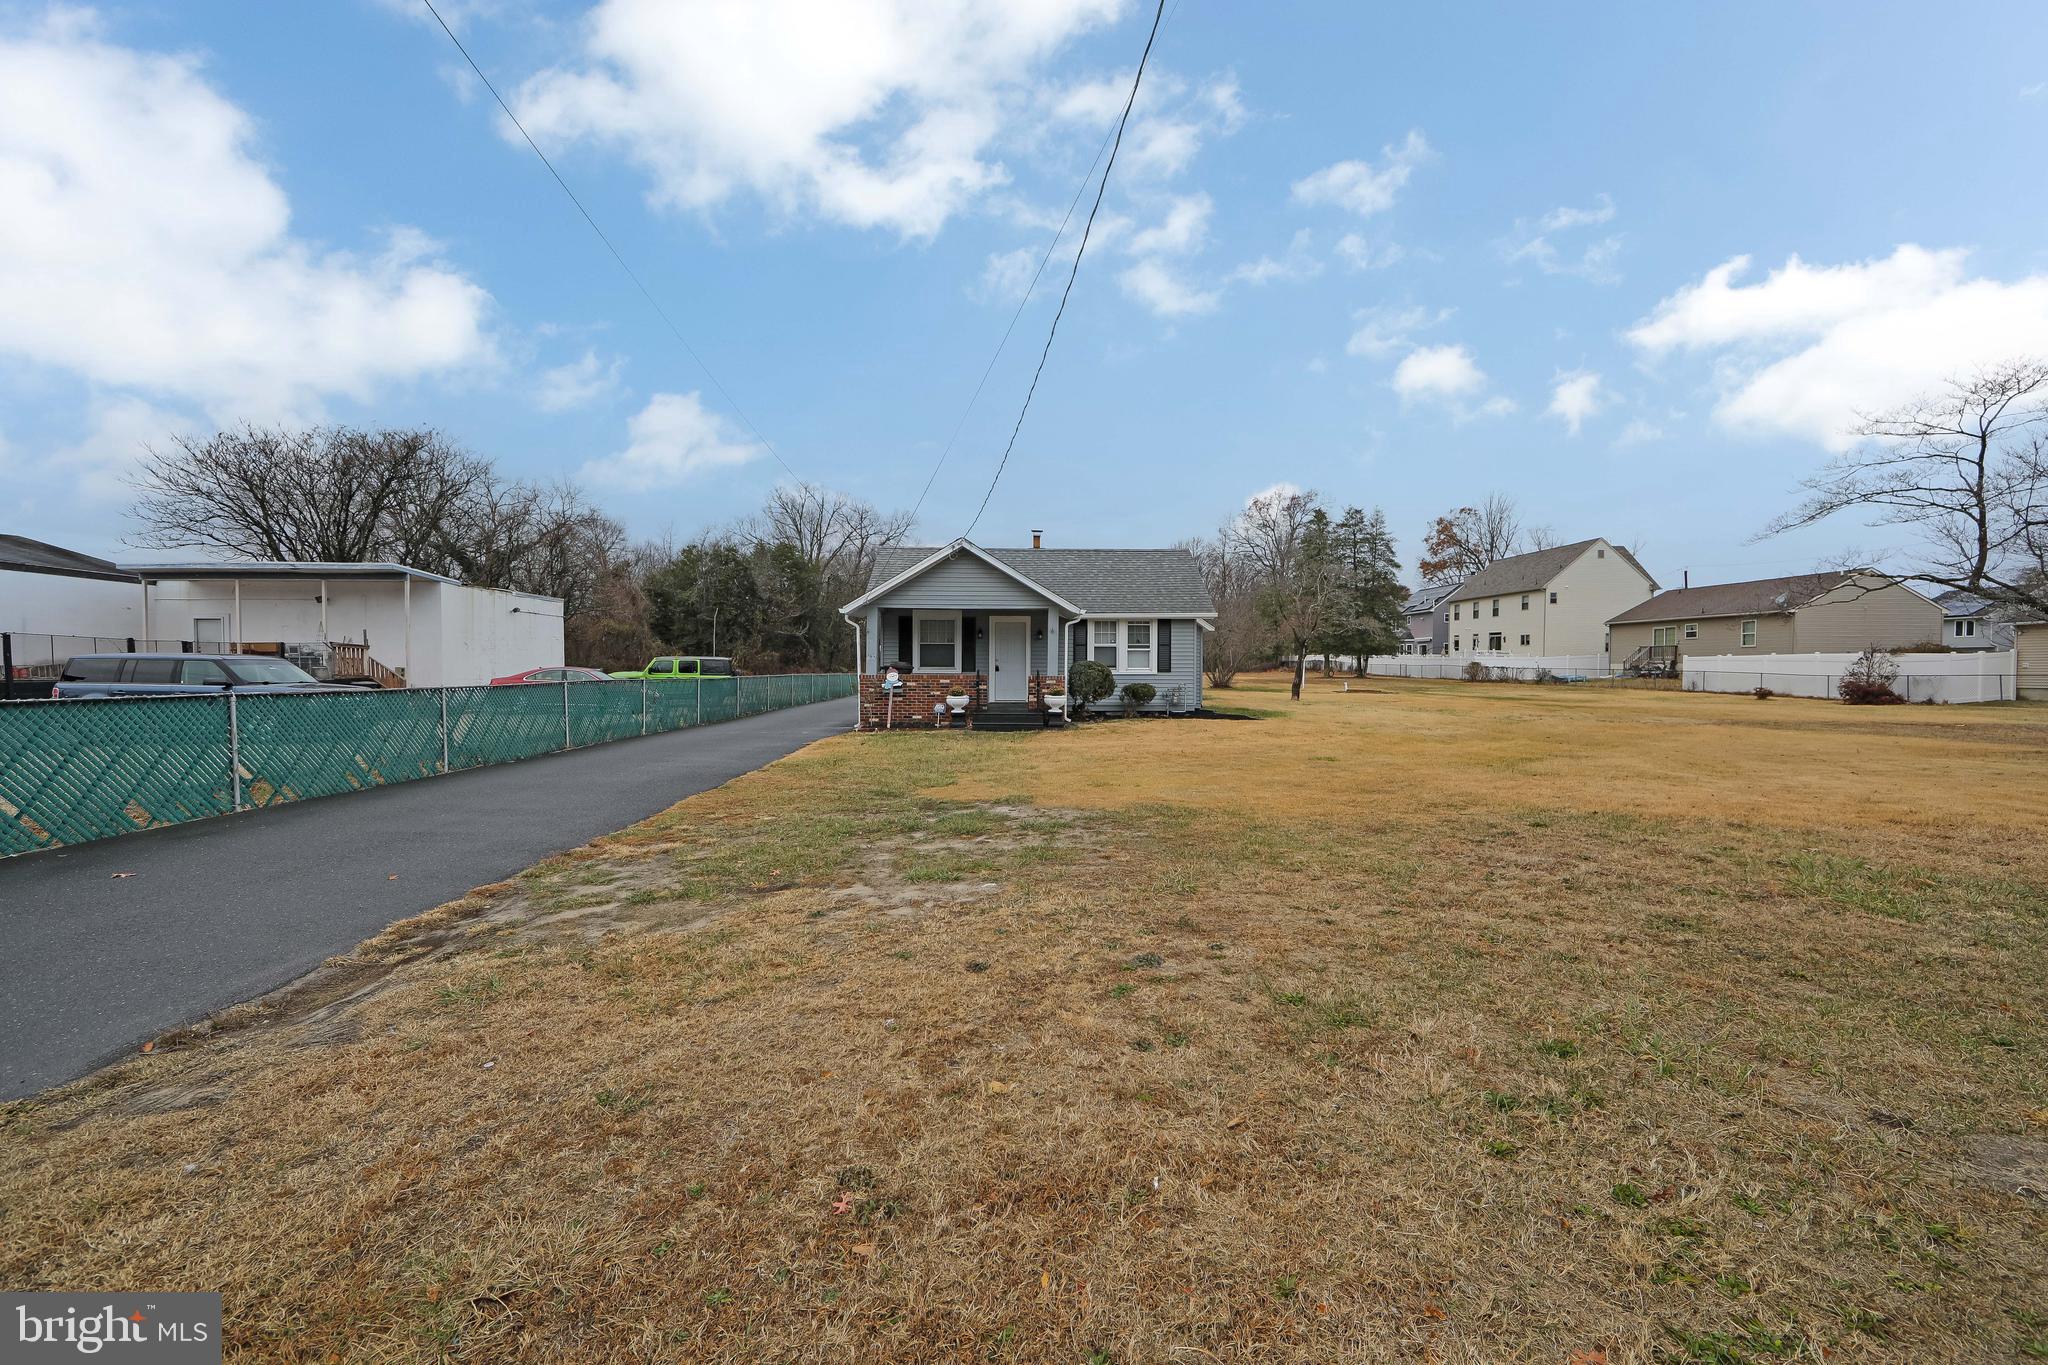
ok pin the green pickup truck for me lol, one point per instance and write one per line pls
(670, 667)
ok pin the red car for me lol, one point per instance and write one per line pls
(552, 675)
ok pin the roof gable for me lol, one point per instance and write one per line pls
(36, 556)
(1532, 571)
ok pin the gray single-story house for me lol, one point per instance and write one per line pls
(1969, 621)
(998, 624)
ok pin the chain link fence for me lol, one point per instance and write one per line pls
(74, 771)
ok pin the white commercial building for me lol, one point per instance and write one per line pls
(387, 621)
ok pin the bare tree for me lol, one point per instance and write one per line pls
(1241, 637)
(1966, 470)
(1465, 541)
(1284, 538)
(817, 549)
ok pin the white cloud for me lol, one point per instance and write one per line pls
(1299, 263)
(1362, 187)
(1576, 396)
(1438, 372)
(1169, 123)
(1594, 261)
(1563, 217)
(143, 246)
(1155, 285)
(577, 383)
(667, 442)
(1638, 432)
(1448, 376)
(1806, 348)
(1184, 229)
(2034, 91)
(1359, 254)
(123, 428)
(1274, 492)
(873, 113)
(1006, 275)
(1383, 331)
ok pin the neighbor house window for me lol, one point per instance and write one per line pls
(1664, 635)
(1553, 599)
(1525, 607)
(1457, 643)
(1965, 629)
(1454, 611)
(1496, 606)
(1692, 630)
(1126, 646)
(938, 643)
(1749, 632)
(1525, 639)
(1493, 642)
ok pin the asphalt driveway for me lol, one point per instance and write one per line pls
(219, 911)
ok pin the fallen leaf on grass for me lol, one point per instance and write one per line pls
(863, 1248)
(1001, 1087)
(149, 1047)
(1237, 1122)
(1595, 1356)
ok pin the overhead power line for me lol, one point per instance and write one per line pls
(1115, 145)
(631, 274)
(1029, 290)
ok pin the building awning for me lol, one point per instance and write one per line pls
(280, 569)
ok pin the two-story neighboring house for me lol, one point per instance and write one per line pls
(1428, 619)
(1547, 603)
(1972, 622)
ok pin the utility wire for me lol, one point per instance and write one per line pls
(631, 274)
(1029, 290)
(1114, 146)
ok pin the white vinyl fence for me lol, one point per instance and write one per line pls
(1988, 675)
(1499, 667)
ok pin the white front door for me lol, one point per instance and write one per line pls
(210, 630)
(1009, 658)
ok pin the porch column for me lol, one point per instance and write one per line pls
(323, 611)
(145, 609)
(238, 616)
(1054, 642)
(406, 592)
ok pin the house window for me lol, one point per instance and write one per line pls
(1102, 642)
(938, 642)
(1454, 611)
(1525, 639)
(1138, 646)
(1525, 607)
(1601, 553)
(1965, 629)
(1493, 642)
(1692, 630)
(1553, 599)
(1496, 606)
(1126, 646)
(1663, 636)
(1749, 632)
(1457, 644)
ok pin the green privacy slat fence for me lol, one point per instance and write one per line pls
(73, 771)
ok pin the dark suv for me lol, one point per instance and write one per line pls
(160, 675)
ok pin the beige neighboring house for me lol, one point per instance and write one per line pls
(1546, 603)
(1807, 613)
(2030, 643)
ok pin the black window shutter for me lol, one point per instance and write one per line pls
(1164, 652)
(903, 655)
(1080, 650)
(967, 644)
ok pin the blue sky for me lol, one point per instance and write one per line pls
(1634, 265)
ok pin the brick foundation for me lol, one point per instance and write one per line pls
(920, 693)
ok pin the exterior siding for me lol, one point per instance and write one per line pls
(1718, 635)
(1185, 674)
(963, 583)
(2030, 643)
(886, 634)
(1867, 612)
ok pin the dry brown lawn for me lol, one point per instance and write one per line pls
(1424, 1021)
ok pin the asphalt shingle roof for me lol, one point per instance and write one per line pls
(1167, 581)
(1958, 602)
(1757, 597)
(1529, 572)
(1425, 600)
